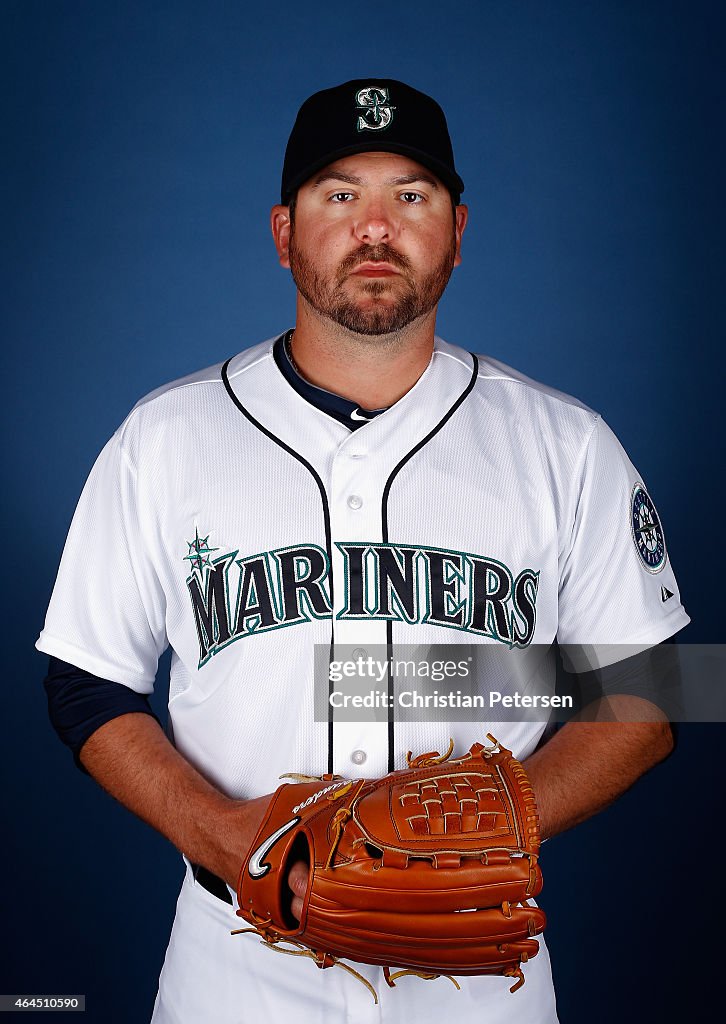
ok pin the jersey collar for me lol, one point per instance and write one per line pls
(346, 412)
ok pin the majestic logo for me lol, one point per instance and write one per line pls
(647, 531)
(376, 107)
(237, 597)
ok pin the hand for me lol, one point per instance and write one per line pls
(298, 882)
(230, 834)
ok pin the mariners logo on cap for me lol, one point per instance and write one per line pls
(376, 106)
(647, 531)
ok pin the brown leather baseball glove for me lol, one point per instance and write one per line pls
(428, 870)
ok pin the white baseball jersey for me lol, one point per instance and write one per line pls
(234, 521)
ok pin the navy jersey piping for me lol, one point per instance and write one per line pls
(384, 532)
(326, 519)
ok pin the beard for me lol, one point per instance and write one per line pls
(381, 314)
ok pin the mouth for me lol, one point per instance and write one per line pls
(374, 270)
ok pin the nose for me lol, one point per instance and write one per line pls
(374, 224)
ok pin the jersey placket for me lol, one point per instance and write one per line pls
(359, 747)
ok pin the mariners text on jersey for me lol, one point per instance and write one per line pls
(235, 597)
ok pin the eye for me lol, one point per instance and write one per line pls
(341, 197)
(412, 198)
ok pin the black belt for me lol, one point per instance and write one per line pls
(212, 883)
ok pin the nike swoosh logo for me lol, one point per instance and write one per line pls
(358, 415)
(255, 867)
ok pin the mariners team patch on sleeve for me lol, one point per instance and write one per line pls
(647, 530)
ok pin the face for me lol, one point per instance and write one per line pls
(373, 243)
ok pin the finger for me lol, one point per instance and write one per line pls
(297, 878)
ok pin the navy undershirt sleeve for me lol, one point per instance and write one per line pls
(79, 703)
(654, 675)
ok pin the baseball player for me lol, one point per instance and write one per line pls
(357, 481)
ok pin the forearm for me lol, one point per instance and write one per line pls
(134, 761)
(587, 765)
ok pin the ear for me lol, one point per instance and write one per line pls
(460, 218)
(280, 224)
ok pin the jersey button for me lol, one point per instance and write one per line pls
(359, 757)
(355, 501)
(360, 652)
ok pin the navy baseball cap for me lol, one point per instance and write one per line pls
(364, 115)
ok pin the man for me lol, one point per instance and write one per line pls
(254, 510)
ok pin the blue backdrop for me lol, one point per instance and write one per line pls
(142, 148)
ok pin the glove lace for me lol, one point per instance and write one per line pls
(391, 979)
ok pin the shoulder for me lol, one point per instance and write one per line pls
(492, 372)
(195, 385)
(196, 398)
(516, 395)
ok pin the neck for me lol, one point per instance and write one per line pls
(372, 371)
